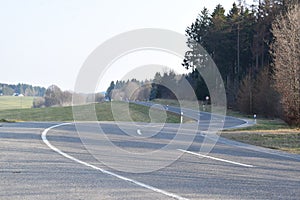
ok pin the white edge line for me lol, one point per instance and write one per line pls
(44, 138)
(214, 158)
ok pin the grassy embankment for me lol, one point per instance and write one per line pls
(12, 109)
(270, 133)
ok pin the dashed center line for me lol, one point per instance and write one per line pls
(214, 158)
(139, 131)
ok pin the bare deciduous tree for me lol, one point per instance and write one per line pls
(265, 98)
(286, 53)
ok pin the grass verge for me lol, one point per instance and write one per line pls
(6, 121)
(267, 124)
(274, 134)
(280, 139)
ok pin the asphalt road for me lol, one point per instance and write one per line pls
(205, 118)
(61, 167)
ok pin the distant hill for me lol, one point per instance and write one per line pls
(24, 89)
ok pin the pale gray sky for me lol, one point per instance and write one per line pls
(44, 42)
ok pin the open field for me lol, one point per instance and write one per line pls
(12, 102)
(103, 111)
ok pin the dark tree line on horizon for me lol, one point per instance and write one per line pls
(24, 89)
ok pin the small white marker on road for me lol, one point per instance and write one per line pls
(139, 131)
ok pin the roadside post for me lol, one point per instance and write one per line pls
(181, 117)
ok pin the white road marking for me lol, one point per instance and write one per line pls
(44, 138)
(139, 131)
(214, 158)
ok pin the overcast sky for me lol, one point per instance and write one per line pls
(44, 42)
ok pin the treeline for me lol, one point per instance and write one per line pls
(24, 89)
(173, 86)
(54, 96)
(163, 86)
(132, 90)
(256, 50)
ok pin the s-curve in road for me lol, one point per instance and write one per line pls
(49, 161)
(204, 118)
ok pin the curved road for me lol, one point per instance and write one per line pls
(60, 167)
